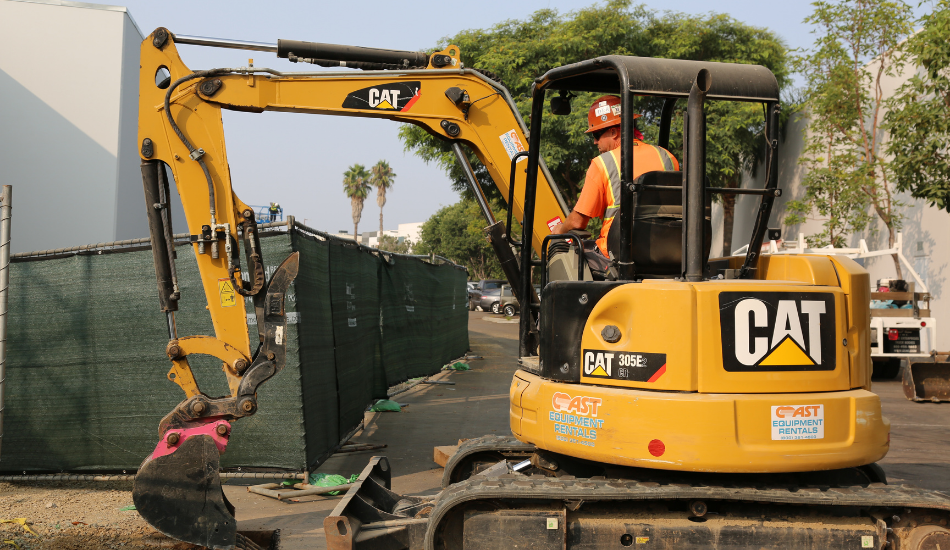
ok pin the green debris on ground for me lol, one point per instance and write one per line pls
(458, 365)
(385, 405)
(331, 480)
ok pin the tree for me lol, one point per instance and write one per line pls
(388, 243)
(356, 185)
(519, 51)
(456, 232)
(382, 179)
(919, 117)
(848, 172)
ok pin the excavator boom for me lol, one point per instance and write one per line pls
(181, 133)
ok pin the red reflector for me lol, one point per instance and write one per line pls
(892, 334)
(923, 323)
(656, 447)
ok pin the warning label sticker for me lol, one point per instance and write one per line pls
(554, 222)
(226, 294)
(798, 422)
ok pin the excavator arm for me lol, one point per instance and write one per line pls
(177, 488)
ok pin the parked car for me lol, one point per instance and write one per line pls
(507, 304)
(475, 296)
(499, 300)
(486, 298)
(470, 288)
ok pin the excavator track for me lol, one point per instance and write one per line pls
(514, 510)
(478, 454)
(839, 509)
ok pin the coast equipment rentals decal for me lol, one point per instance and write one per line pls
(777, 331)
(396, 96)
(790, 422)
(574, 418)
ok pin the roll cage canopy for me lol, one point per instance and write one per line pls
(672, 79)
(662, 78)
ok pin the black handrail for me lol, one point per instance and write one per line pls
(511, 197)
(773, 109)
(694, 154)
(581, 261)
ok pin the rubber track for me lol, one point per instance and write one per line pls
(487, 443)
(515, 486)
(244, 543)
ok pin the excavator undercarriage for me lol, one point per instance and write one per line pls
(558, 501)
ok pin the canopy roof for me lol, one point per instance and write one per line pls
(662, 77)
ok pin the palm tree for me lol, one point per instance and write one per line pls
(356, 185)
(382, 180)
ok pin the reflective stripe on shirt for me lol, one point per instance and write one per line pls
(609, 164)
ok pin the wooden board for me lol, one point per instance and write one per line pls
(441, 455)
(898, 313)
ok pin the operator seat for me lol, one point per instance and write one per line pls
(658, 228)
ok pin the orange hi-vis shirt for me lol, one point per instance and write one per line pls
(600, 196)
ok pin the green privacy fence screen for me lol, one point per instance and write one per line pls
(86, 370)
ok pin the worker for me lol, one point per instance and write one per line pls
(600, 196)
(274, 210)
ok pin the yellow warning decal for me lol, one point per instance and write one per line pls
(788, 352)
(643, 540)
(226, 294)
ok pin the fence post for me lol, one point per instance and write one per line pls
(5, 211)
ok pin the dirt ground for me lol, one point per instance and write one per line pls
(95, 515)
(75, 516)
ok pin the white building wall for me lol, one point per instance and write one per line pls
(410, 231)
(926, 230)
(68, 119)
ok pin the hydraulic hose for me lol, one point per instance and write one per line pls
(193, 152)
(165, 200)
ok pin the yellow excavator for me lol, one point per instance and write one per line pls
(682, 402)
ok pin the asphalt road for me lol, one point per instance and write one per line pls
(478, 404)
(436, 415)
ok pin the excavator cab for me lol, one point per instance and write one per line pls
(664, 229)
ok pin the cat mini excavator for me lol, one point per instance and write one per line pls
(687, 403)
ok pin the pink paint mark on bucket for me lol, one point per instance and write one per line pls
(207, 427)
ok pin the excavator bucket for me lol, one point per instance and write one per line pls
(180, 494)
(927, 381)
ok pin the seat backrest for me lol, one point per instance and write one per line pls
(658, 227)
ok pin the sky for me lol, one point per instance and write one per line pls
(298, 160)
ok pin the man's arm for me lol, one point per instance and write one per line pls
(575, 220)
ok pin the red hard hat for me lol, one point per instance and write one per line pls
(604, 113)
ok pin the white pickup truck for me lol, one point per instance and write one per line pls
(903, 332)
